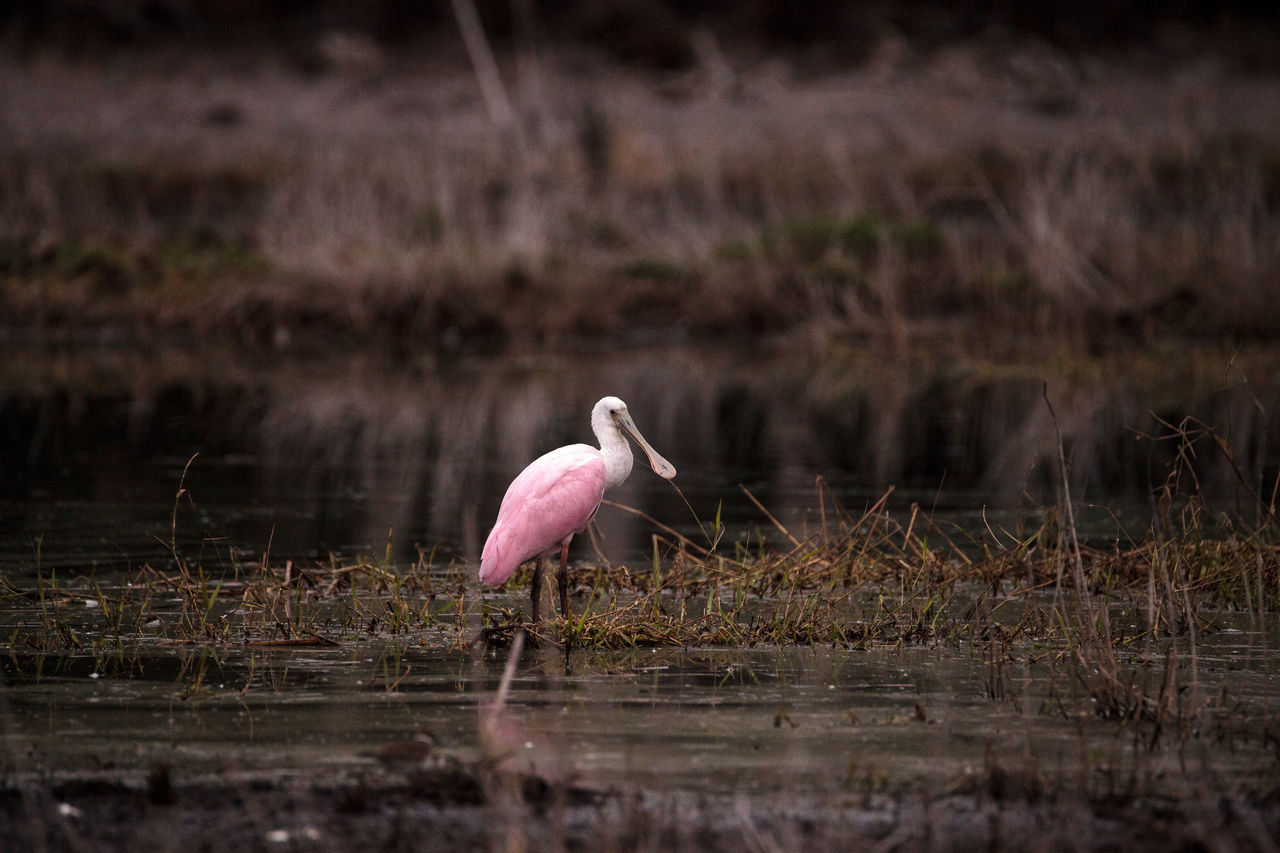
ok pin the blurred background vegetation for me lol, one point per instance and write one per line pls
(984, 176)
(656, 33)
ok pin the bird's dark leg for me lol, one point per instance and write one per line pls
(564, 579)
(535, 592)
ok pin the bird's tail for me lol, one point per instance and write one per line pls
(497, 561)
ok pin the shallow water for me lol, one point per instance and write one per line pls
(297, 461)
(300, 459)
(807, 722)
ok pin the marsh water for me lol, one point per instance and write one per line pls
(407, 459)
(797, 722)
(347, 454)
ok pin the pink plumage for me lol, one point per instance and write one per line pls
(551, 500)
(556, 496)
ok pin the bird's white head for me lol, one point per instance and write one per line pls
(610, 415)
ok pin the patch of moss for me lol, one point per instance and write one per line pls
(202, 255)
(103, 269)
(811, 238)
(815, 239)
(98, 268)
(179, 195)
(106, 272)
(734, 251)
(917, 239)
(652, 268)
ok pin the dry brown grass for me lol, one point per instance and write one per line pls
(851, 579)
(391, 203)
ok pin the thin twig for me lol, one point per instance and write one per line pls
(769, 515)
(684, 540)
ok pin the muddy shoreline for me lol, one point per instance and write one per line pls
(449, 808)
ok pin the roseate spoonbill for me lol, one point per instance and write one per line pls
(558, 494)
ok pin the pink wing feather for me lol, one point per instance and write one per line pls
(551, 500)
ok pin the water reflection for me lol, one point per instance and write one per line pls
(339, 454)
(797, 722)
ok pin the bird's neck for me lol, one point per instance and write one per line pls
(616, 451)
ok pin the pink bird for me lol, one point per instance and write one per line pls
(558, 494)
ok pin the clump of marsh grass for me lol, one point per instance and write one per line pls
(1151, 676)
(233, 603)
(850, 579)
